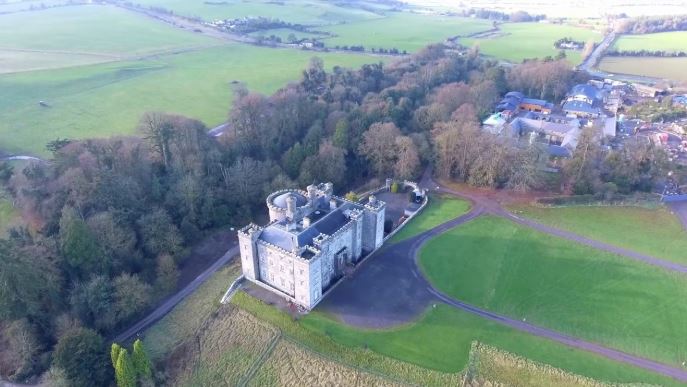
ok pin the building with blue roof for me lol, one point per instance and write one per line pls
(312, 236)
(584, 101)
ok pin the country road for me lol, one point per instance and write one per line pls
(172, 301)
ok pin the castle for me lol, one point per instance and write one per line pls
(312, 236)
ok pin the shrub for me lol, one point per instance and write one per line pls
(394, 187)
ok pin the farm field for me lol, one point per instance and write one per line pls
(440, 210)
(108, 99)
(440, 340)
(654, 232)
(77, 35)
(518, 41)
(404, 31)
(498, 265)
(662, 41)
(667, 68)
(311, 12)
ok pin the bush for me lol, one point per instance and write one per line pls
(394, 187)
(388, 225)
(352, 196)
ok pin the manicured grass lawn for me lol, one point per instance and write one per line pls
(654, 232)
(404, 31)
(440, 340)
(668, 68)
(108, 99)
(662, 41)
(498, 265)
(440, 210)
(317, 12)
(96, 30)
(519, 41)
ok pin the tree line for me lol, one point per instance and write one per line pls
(644, 52)
(108, 220)
(651, 24)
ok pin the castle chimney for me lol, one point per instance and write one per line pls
(290, 207)
(372, 200)
(306, 222)
(312, 195)
(332, 204)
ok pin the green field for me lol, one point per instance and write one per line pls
(311, 12)
(108, 99)
(662, 41)
(667, 68)
(440, 210)
(518, 41)
(404, 31)
(498, 265)
(654, 232)
(440, 340)
(77, 35)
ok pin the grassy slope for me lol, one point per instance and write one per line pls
(440, 340)
(108, 99)
(663, 41)
(103, 30)
(440, 210)
(316, 12)
(187, 317)
(654, 232)
(498, 265)
(404, 31)
(531, 40)
(669, 68)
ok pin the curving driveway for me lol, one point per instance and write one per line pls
(390, 290)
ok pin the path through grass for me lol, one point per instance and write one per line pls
(654, 232)
(571, 288)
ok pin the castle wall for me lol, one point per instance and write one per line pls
(276, 268)
(249, 255)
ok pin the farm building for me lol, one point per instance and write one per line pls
(584, 101)
(561, 136)
(515, 101)
(648, 91)
(311, 238)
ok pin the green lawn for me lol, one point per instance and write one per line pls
(662, 41)
(518, 41)
(91, 33)
(654, 232)
(404, 31)
(667, 68)
(311, 12)
(108, 99)
(440, 340)
(440, 210)
(501, 266)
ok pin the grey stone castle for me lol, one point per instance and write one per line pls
(311, 238)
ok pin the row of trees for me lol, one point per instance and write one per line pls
(647, 25)
(658, 53)
(514, 17)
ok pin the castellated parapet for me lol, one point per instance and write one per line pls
(312, 237)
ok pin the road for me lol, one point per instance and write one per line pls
(172, 301)
(483, 205)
